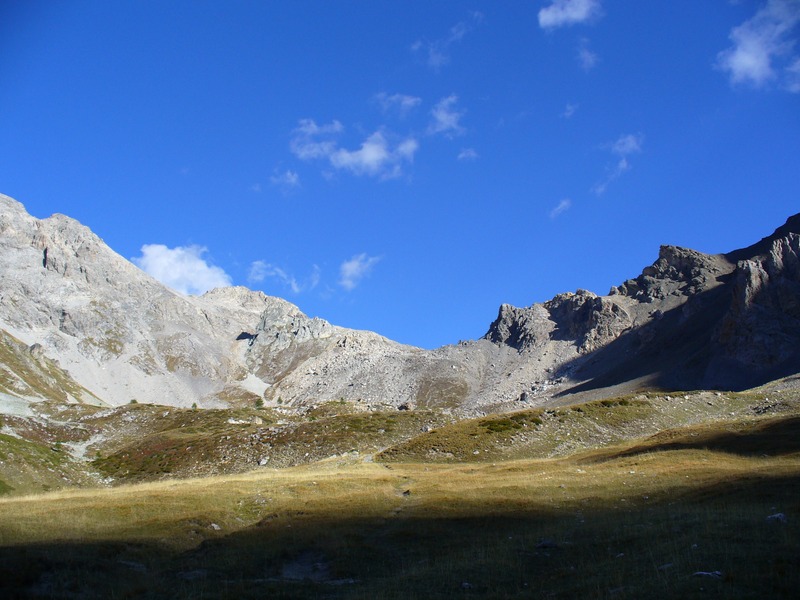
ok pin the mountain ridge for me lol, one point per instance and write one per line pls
(689, 320)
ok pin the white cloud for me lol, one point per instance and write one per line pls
(313, 279)
(182, 268)
(438, 51)
(402, 103)
(437, 57)
(568, 12)
(562, 207)
(623, 147)
(305, 144)
(763, 47)
(793, 77)
(261, 270)
(458, 31)
(376, 157)
(569, 110)
(352, 271)
(256, 188)
(446, 118)
(629, 143)
(287, 180)
(467, 154)
(586, 58)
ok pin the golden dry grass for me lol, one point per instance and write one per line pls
(424, 530)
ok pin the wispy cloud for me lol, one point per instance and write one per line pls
(763, 47)
(622, 147)
(306, 143)
(793, 77)
(561, 13)
(586, 58)
(401, 103)
(286, 180)
(467, 154)
(182, 268)
(629, 143)
(569, 110)
(438, 52)
(561, 208)
(446, 117)
(376, 157)
(261, 270)
(352, 271)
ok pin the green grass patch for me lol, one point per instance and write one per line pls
(27, 467)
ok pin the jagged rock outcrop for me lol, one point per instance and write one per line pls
(690, 320)
(588, 320)
(677, 272)
(521, 328)
(760, 332)
(591, 321)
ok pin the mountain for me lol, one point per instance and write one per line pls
(70, 305)
(689, 321)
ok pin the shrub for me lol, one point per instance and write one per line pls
(500, 425)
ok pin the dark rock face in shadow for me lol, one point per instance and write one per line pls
(689, 321)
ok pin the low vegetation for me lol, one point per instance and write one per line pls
(652, 495)
(560, 431)
(653, 518)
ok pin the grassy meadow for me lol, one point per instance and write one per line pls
(682, 514)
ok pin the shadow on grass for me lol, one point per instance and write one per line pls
(775, 437)
(639, 549)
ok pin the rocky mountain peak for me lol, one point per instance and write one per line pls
(590, 320)
(792, 225)
(677, 271)
(521, 328)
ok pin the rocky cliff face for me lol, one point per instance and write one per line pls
(689, 320)
(760, 333)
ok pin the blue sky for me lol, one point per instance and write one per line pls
(404, 166)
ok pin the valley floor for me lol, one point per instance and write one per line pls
(687, 514)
